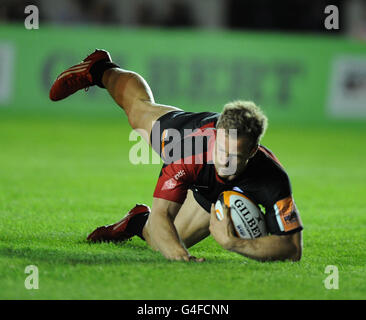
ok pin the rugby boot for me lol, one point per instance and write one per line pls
(131, 225)
(77, 77)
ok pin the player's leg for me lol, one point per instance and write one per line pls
(192, 221)
(192, 224)
(132, 93)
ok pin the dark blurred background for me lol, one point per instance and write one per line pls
(285, 15)
(196, 54)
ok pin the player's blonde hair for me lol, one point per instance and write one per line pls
(246, 117)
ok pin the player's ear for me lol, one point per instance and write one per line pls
(254, 151)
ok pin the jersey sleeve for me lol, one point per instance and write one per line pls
(281, 214)
(174, 181)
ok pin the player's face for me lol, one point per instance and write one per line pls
(231, 155)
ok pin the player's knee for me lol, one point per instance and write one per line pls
(137, 117)
(133, 118)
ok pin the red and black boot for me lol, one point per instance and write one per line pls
(83, 75)
(131, 225)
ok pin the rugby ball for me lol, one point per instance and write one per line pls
(247, 218)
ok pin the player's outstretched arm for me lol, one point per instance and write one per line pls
(268, 248)
(161, 234)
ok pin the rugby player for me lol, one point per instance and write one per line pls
(182, 212)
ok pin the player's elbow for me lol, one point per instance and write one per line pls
(296, 246)
(290, 249)
(296, 253)
(289, 252)
(296, 257)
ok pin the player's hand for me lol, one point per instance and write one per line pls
(222, 231)
(194, 259)
(187, 258)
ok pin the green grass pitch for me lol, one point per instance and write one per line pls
(59, 179)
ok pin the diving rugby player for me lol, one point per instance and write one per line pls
(182, 212)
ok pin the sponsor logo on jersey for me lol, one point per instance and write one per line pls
(290, 217)
(180, 174)
(286, 214)
(169, 184)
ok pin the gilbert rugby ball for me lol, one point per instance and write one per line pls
(246, 216)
